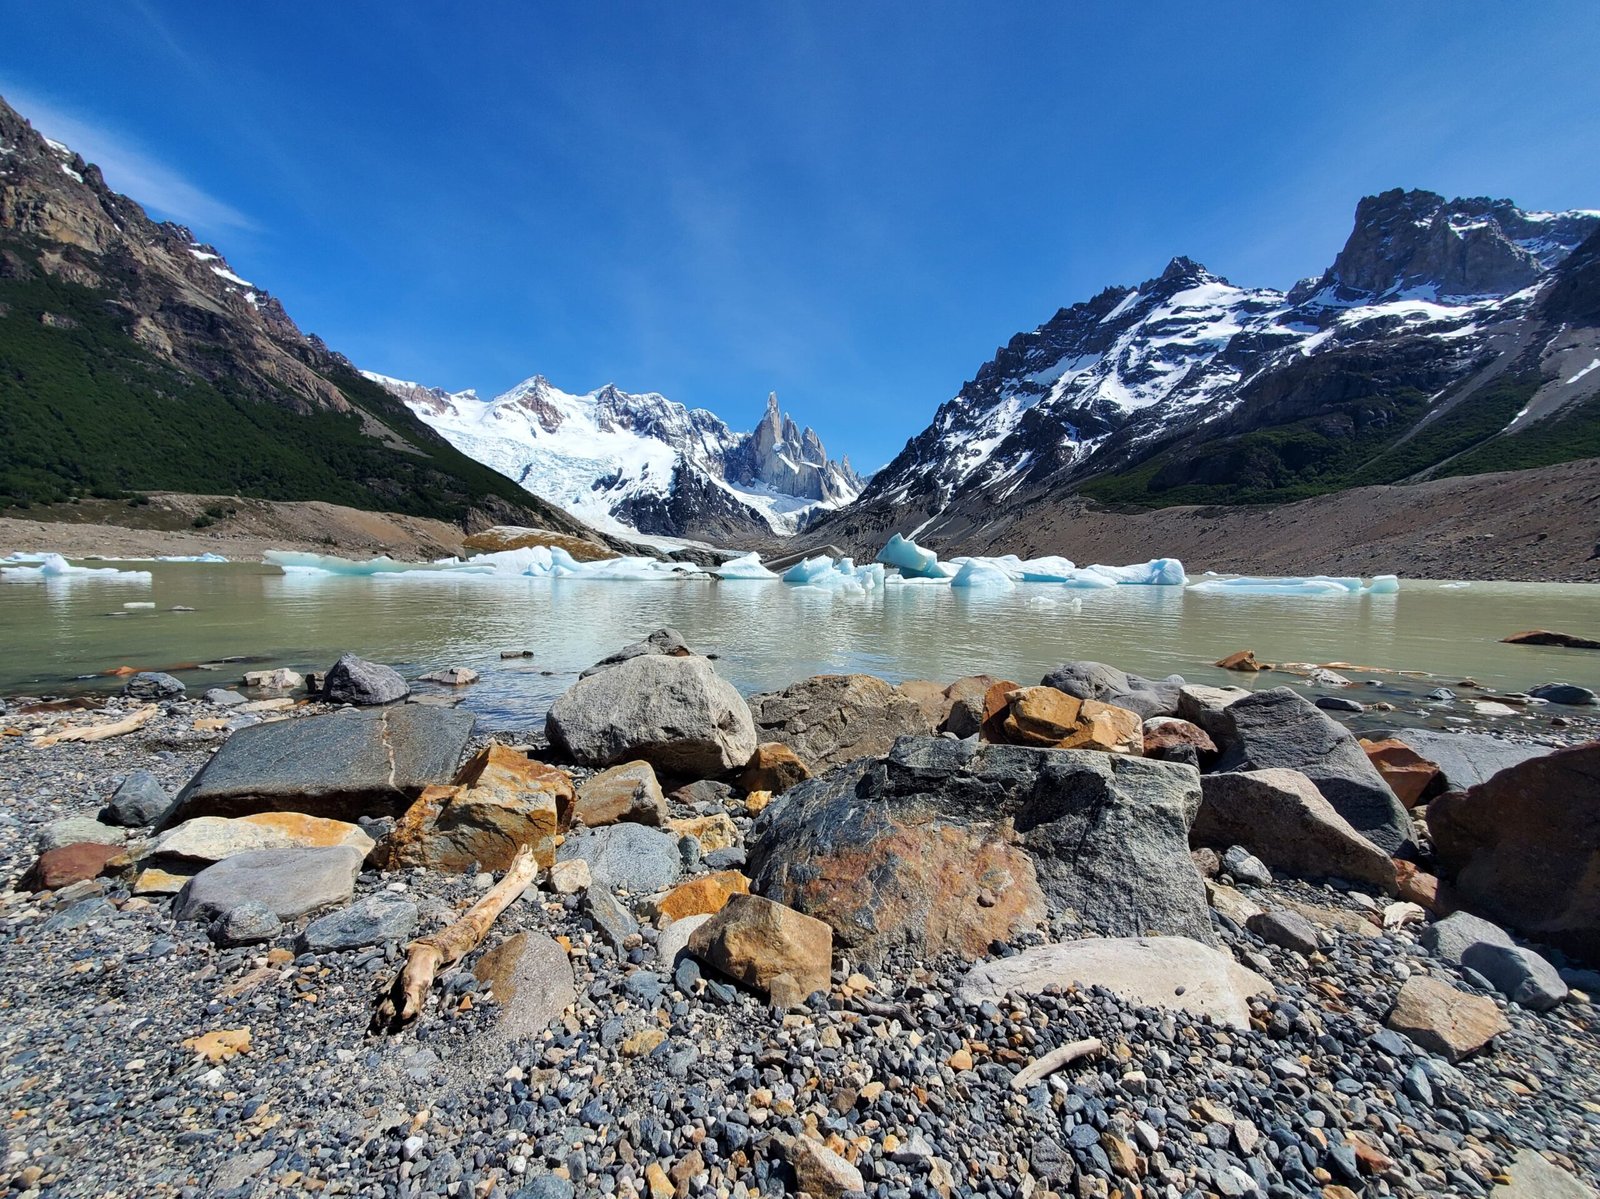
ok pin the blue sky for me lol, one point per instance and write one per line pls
(850, 204)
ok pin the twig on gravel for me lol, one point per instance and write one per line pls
(99, 732)
(1043, 1067)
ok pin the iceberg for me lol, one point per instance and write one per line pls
(33, 568)
(745, 567)
(1158, 572)
(206, 557)
(839, 575)
(531, 562)
(1048, 570)
(910, 558)
(983, 573)
(1310, 585)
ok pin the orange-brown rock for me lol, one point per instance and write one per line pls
(1445, 1020)
(1051, 719)
(702, 896)
(629, 792)
(68, 864)
(1244, 660)
(1418, 887)
(767, 946)
(773, 767)
(1164, 734)
(1409, 775)
(996, 707)
(501, 801)
(927, 695)
(964, 699)
(714, 832)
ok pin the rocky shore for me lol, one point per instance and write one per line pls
(1104, 936)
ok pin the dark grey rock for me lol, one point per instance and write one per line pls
(1096, 680)
(1245, 867)
(343, 765)
(613, 920)
(1279, 728)
(353, 680)
(626, 857)
(1288, 930)
(1564, 693)
(247, 923)
(382, 917)
(547, 1186)
(1338, 703)
(141, 800)
(151, 684)
(221, 697)
(663, 642)
(289, 882)
(1519, 974)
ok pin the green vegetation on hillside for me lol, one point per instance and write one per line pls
(85, 410)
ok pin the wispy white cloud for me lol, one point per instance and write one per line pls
(129, 168)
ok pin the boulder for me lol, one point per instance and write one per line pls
(1410, 776)
(1418, 887)
(281, 679)
(1204, 706)
(1280, 728)
(1108, 685)
(767, 946)
(1546, 637)
(290, 882)
(375, 920)
(353, 680)
(950, 845)
(68, 864)
(451, 676)
(667, 643)
(1465, 759)
(1519, 974)
(673, 712)
(1521, 848)
(837, 718)
(247, 923)
(153, 685)
(529, 977)
(964, 703)
(1445, 1020)
(501, 801)
(1286, 929)
(1169, 972)
(774, 768)
(822, 1173)
(1052, 719)
(629, 792)
(1532, 1176)
(141, 800)
(927, 695)
(74, 830)
(626, 857)
(702, 896)
(215, 838)
(1170, 738)
(342, 765)
(1564, 693)
(1281, 817)
(569, 878)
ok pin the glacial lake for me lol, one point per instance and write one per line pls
(765, 634)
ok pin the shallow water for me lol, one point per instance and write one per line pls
(766, 634)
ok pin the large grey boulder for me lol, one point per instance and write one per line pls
(1096, 680)
(1169, 972)
(1519, 974)
(353, 680)
(1467, 759)
(1203, 706)
(529, 977)
(626, 857)
(374, 920)
(675, 713)
(832, 719)
(288, 882)
(1281, 817)
(344, 765)
(1280, 728)
(666, 643)
(947, 845)
(141, 800)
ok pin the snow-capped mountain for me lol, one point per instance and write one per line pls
(642, 463)
(1429, 334)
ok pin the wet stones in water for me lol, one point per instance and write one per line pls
(1338, 703)
(1564, 693)
(353, 680)
(149, 684)
(667, 642)
(141, 800)
(451, 676)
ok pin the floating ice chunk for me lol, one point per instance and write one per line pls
(1052, 569)
(1311, 585)
(1158, 572)
(808, 570)
(746, 567)
(911, 559)
(139, 604)
(330, 564)
(984, 573)
(206, 557)
(1453, 586)
(838, 575)
(34, 568)
(1384, 585)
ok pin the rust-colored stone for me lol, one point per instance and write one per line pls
(68, 864)
(1051, 719)
(1418, 887)
(1409, 775)
(1244, 660)
(767, 946)
(701, 896)
(629, 792)
(1166, 733)
(773, 767)
(714, 832)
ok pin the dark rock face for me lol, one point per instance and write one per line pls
(1096, 680)
(1521, 848)
(342, 765)
(140, 801)
(836, 718)
(1280, 728)
(353, 680)
(911, 849)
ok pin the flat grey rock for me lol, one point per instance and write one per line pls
(530, 978)
(248, 923)
(1467, 759)
(343, 765)
(673, 941)
(1096, 680)
(374, 920)
(221, 697)
(1533, 1176)
(626, 857)
(289, 882)
(75, 830)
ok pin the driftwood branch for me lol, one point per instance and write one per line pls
(99, 732)
(1043, 1067)
(426, 956)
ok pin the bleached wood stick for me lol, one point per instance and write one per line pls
(426, 956)
(99, 732)
(1043, 1067)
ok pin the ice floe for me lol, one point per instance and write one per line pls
(1311, 585)
(34, 568)
(746, 567)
